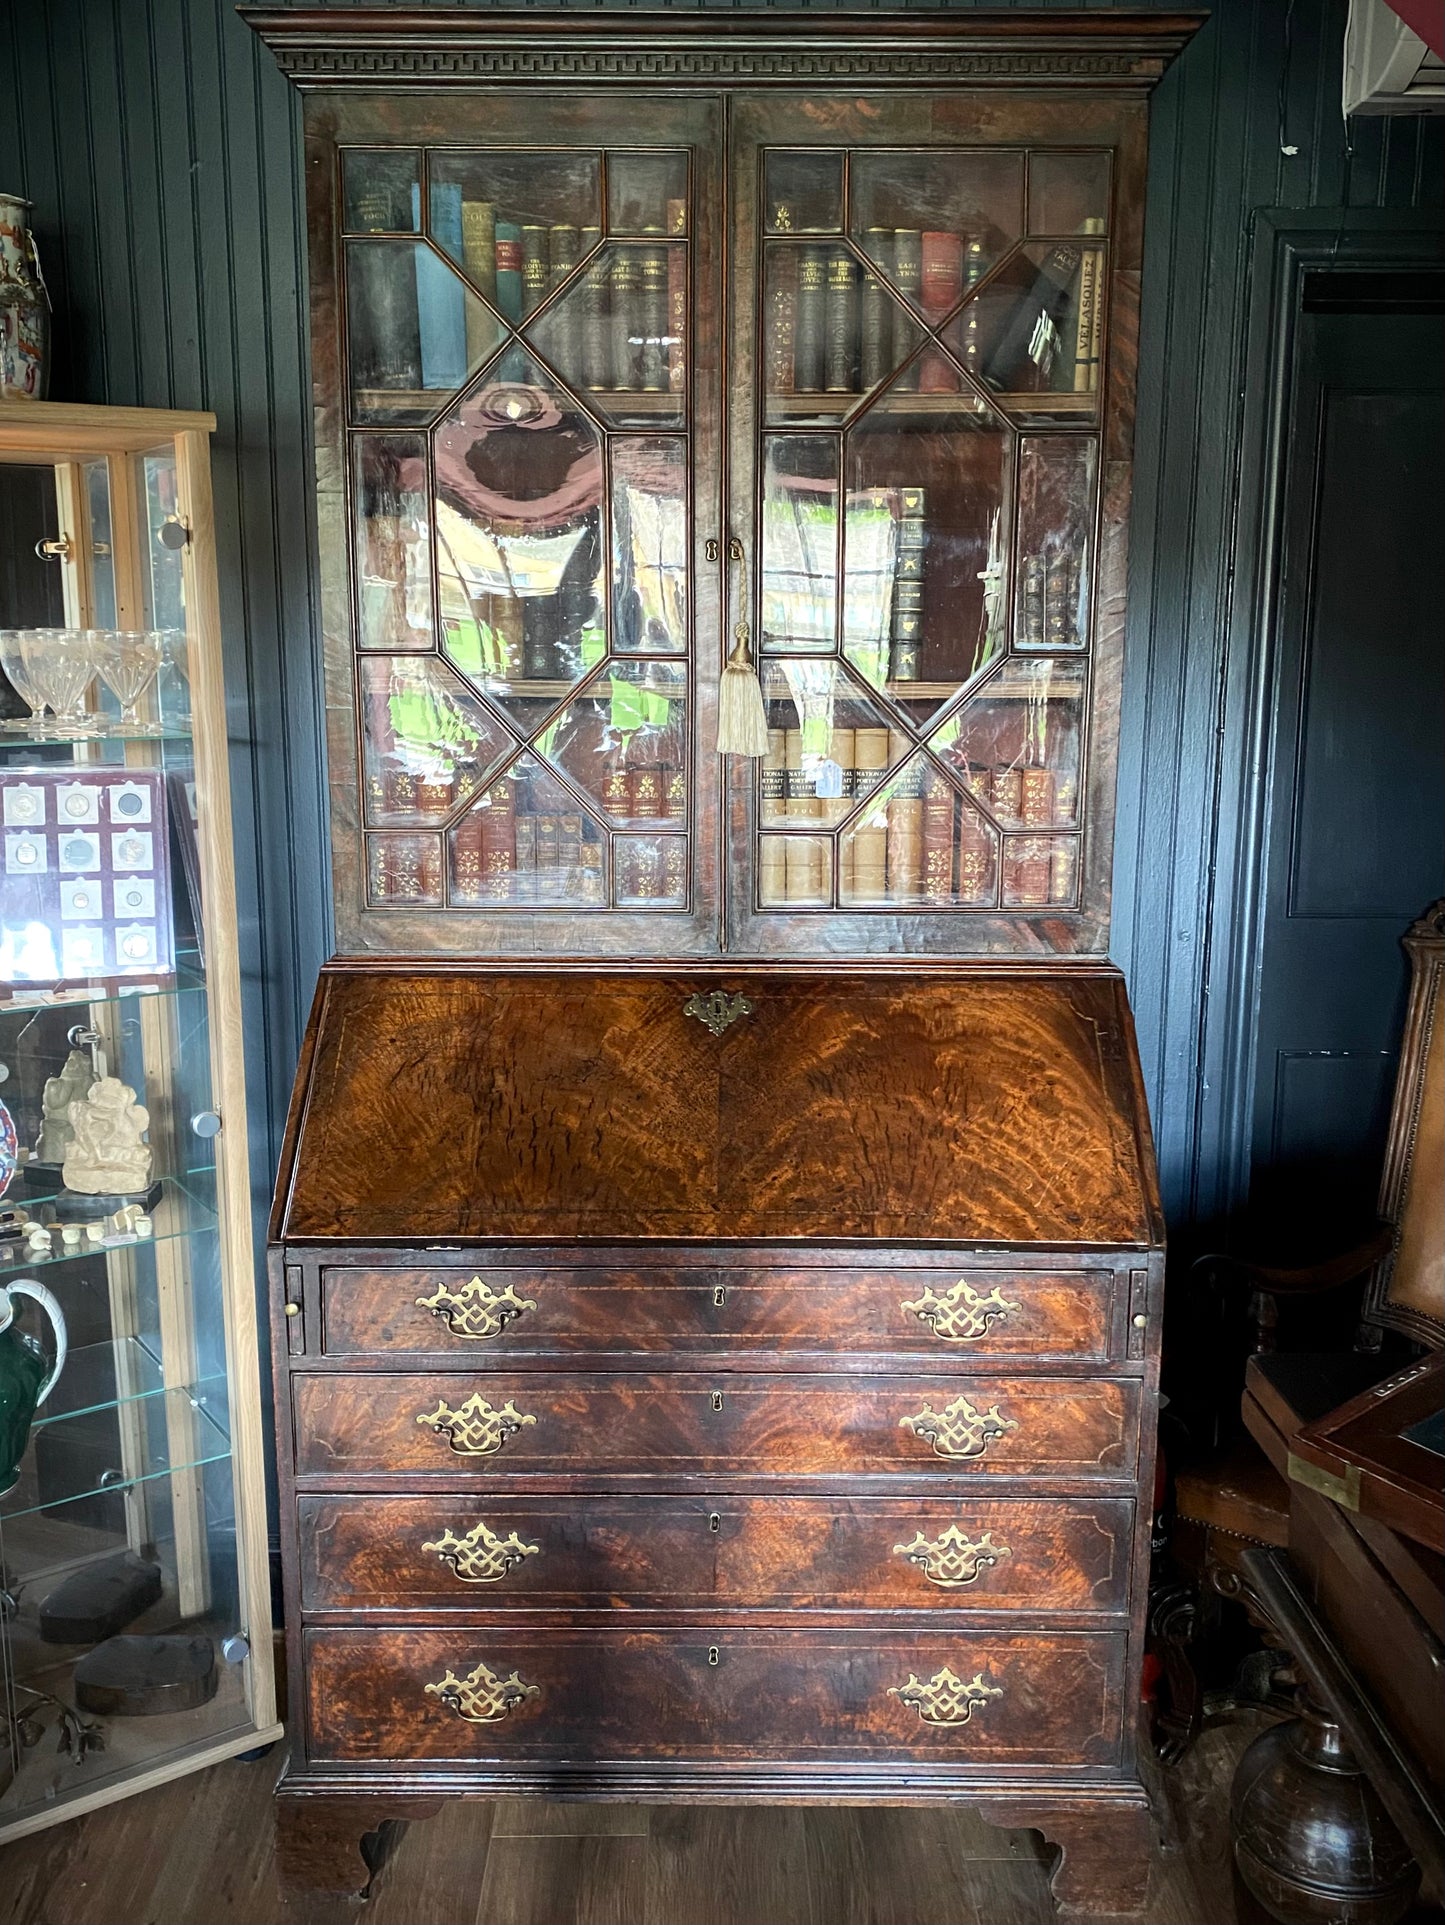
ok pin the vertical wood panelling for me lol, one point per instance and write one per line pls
(160, 145)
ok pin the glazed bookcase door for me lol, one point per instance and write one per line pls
(930, 474)
(514, 345)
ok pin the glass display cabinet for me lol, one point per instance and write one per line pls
(134, 1591)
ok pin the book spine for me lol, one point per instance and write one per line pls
(875, 347)
(591, 883)
(440, 296)
(564, 250)
(626, 319)
(1063, 869)
(509, 288)
(616, 794)
(870, 760)
(974, 264)
(941, 262)
(1060, 591)
(525, 860)
(677, 300)
(466, 858)
(906, 634)
(772, 872)
(596, 339)
(1027, 874)
(805, 872)
(498, 842)
(1031, 601)
(540, 638)
(653, 309)
(1036, 798)
(905, 838)
(975, 857)
(536, 272)
(384, 341)
(842, 323)
(868, 865)
(782, 338)
(773, 779)
(842, 749)
(1028, 339)
(1088, 323)
(569, 855)
(938, 836)
(674, 870)
(644, 792)
(908, 279)
(479, 258)
(808, 356)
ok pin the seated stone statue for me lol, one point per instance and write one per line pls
(107, 1156)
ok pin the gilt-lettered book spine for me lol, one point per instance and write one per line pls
(782, 331)
(564, 250)
(906, 640)
(842, 323)
(596, 322)
(908, 278)
(941, 273)
(875, 328)
(809, 345)
(626, 318)
(652, 306)
(535, 270)
(479, 258)
(938, 837)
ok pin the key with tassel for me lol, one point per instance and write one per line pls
(742, 722)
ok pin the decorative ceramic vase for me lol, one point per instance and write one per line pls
(9, 1149)
(24, 308)
(26, 1380)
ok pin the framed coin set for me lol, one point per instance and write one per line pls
(84, 875)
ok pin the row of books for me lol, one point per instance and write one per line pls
(1049, 600)
(833, 327)
(792, 790)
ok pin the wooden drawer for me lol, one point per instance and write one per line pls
(1061, 1554)
(517, 1427)
(943, 1310)
(492, 1691)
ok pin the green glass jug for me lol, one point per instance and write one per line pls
(25, 1378)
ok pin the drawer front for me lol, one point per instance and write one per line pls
(495, 1692)
(512, 1427)
(569, 1553)
(935, 1311)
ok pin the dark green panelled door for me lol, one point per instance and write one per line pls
(1356, 826)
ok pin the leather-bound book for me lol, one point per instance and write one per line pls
(674, 791)
(384, 335)
(499, 825)
(841, 362)
(591, 881)
(1030, 337)
(908, 279)
(1061, 587)
(875, 327)
(1027, 871)
(536, 269)
(975, 857)
(616, 789)
(564, 250)
(626, 319)
(906, 628)
(968, 321)
(801, 796)
(938, 836)
(541, 616)
(842, 752)
(942, 284)
(652, 311)
(569, 854)
(782, 331)
(549, 882)
(905, 837)
(524, 885)
(466, 854)
(808, 346)
(772, 872)
(479, 258)
(674, 869)
(596, 318)
(1063, 869)
(773, 779)
(1006, 794)
(1036, 798)
(870, 760)
(509, 271)
(644, 791)
(677, 300)
(435, 795)
(1031, 602)
(1088, 317)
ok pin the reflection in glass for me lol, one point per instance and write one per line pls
(828, 744)
(928, 220)
(650, 872)
(102, 560)
(527, 842)
(795, 871)
(393, 550)
(799, 543)
(649, 545)
(803, 192)
(919, 844)
(619, 332)
(414, 331)
(163, 577)
(404, 870)
(1016, 743)
(427, 744)
(520, 222)
(518, 532)
(1068, 193)
(1036, 327)
(623, 742)
(832, 329)
(1040, 871)
(1055, 520)
(647, 193)
(378, 189)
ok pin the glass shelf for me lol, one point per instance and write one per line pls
(112, 735)
(201, 1219)
(189, 980)
(212, 1447)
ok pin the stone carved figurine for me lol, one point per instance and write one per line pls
(107, 1156)
(70, 1086)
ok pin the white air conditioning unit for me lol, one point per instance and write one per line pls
(1389, 69)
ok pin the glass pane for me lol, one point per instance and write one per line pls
(102, 560)
(803, 193)
(415, 331)
(1068, 193)
(611, 333)
(623, 742)
(1035, 331)
(1040, 871)
(649, 545)
(427, 743)
(379, 188)
(528, 842)
(403, 871)
(799, 561)
(1055, 524)
(918, 844)
(795, 872)
(393, 542)
(1016, 743)
(828, 744)
(519, 548)
(647, 193)
(943, 478)
(939, 209)
(833, 330)
(650, 872)
(511, 216)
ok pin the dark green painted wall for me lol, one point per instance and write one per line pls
(160, 146)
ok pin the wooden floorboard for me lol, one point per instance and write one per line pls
(199, 1852)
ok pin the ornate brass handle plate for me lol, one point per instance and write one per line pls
(476, 1311)
(482, 1697)
(717, 1011)
(475, 1429)
(481, 1557)
(960, 1430)
(952, 1560)
(945, 1699)
(960, 1315)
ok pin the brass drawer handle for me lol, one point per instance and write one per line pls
(475, 1430)
(960, 1430)
(952, 1560)
(482, 1697)
(945, 1699)
(960, 1315)
(481, 1557)
(476, 1311)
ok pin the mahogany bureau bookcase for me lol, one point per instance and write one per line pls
(717, 1256)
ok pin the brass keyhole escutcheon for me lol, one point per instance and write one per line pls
(714, 1655)
(710, 548)
(714, 1520)
(720, 1296)
(717, 1400)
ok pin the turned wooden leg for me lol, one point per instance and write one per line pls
(339, 1844)
(1106, 1851)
